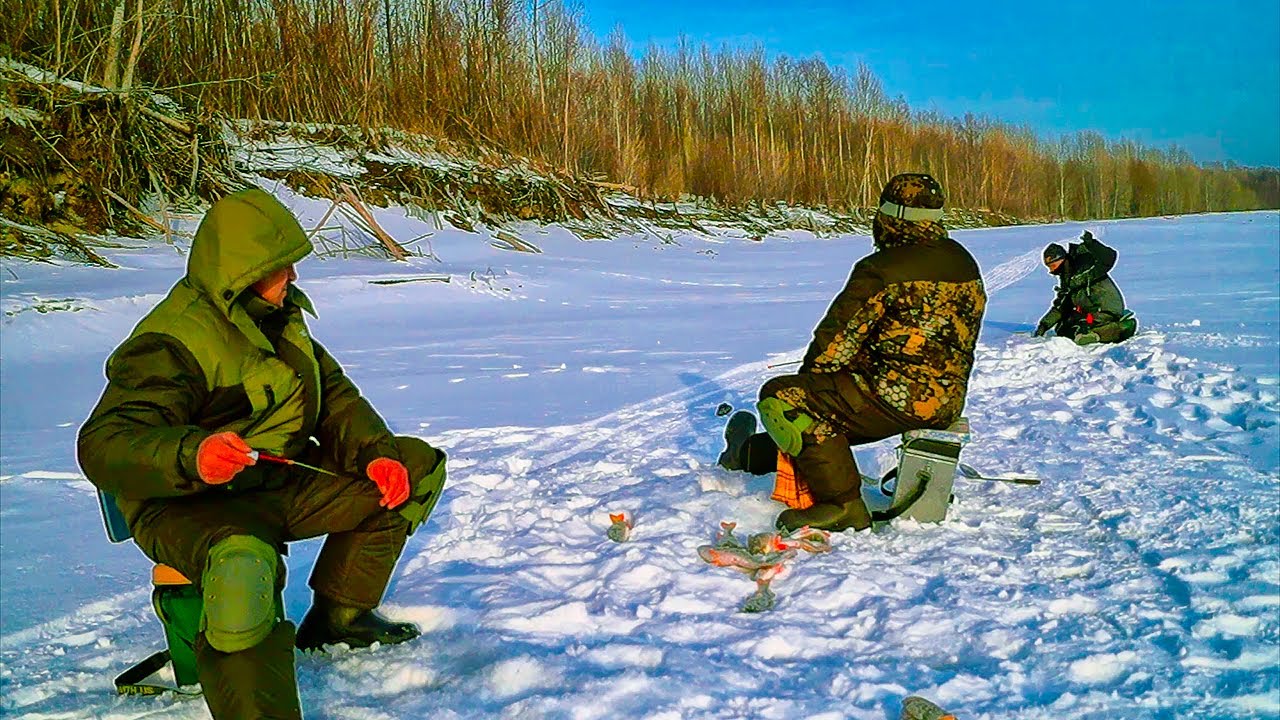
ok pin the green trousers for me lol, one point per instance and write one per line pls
(354, 566)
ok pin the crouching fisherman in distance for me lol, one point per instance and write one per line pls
(893, 353)
(1088, 307)
(223, 366)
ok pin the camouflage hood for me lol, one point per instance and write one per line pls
(910, 212)
(890, 232)
(243, 238)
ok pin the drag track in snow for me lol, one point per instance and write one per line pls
(1011, 271)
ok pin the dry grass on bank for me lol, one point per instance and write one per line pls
(82, 163)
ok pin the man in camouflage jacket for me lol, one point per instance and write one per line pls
(893, 353)
(222, 367)
(1087, 306)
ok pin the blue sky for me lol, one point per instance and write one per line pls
(1204, 75)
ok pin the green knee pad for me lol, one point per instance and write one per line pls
(239, 582)
(786, 433)
(426, 492)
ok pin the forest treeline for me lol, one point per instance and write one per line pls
(728, 123)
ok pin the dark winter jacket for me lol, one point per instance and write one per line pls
(905, 325)
(213, 357)
(1086, 296)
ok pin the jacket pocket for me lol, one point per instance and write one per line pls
(257, 385)
(276, 402)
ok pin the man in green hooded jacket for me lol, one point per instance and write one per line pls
(224, 369)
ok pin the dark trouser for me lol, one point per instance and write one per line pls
(1108, 328)
(1071, 325)
(1116, 331)
(828, 466)
(353, 568)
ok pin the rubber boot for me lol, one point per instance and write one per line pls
(1089, 338)
(254, 684)
(737, 431)
(827, 516)
(328, 623)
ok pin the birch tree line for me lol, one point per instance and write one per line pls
(526, 76)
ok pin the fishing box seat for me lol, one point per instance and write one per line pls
(178, 604)
(920, 486)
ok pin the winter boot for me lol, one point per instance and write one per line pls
(328, 623)
(917, 708)
(737, 431)
(1089, 338)
(827, 516)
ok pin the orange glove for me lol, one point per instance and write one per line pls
(392, 479)
(220, 456)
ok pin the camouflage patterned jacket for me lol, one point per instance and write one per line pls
(905, 327)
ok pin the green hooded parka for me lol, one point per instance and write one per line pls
(200, 363)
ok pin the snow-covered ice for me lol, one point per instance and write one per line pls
(1140, 580)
